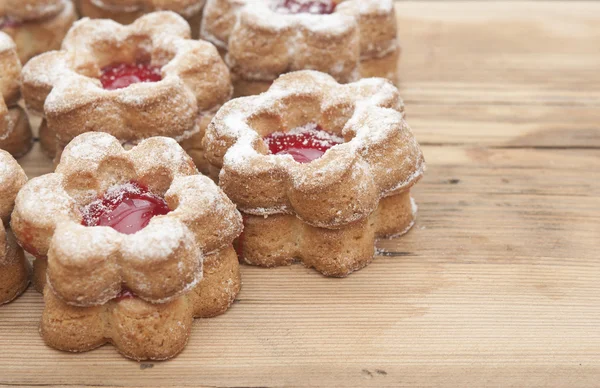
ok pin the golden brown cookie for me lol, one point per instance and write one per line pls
(134, 82)
(138, 329)
(129, 246)
(14, 268)
(264, 39)
(56, 214)
(319, 169)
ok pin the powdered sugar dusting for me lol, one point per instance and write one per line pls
(315, 7)
(159, 239)
(198, 193)
(6, 43)
(94, 146)
(409, 181)
(43, 201)
(171, 154)
(78, 248)
(300, 24)
(314, 15)
(5, 168)
(376, 131)
(7, 123)
(166, 244)
(199, 198)
(80, 243)
(300, 33)
(169, 107)
(364, 95)
(46, 69)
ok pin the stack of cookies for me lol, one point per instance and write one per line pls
(130, 246)
(319, 170)
(129, 241)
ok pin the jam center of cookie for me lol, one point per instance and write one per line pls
(126, 208)
(121, 75)
(317, 7)
(305, 144)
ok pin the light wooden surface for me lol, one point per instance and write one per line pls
(498, 284)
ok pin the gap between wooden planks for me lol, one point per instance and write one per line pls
(497, 284)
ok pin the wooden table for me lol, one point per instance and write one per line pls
(498, 284)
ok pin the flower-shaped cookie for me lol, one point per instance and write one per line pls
(36, 25)
(15, 133)
(379, 154)
(134, 82)
(138, 329)
(126, 11)
(275, 162)
(14, 269)
(108, 218)
(266, 38)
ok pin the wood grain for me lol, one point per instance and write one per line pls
(502, 73)
(498, 284)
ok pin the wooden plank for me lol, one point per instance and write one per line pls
(501, 51)
(36, 163)
(502, 73)
(498, 125)
(498, 281)
(497, 284)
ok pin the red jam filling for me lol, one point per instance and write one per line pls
(121, 75)
(317, 7)
(305, 144)
(126, 208)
